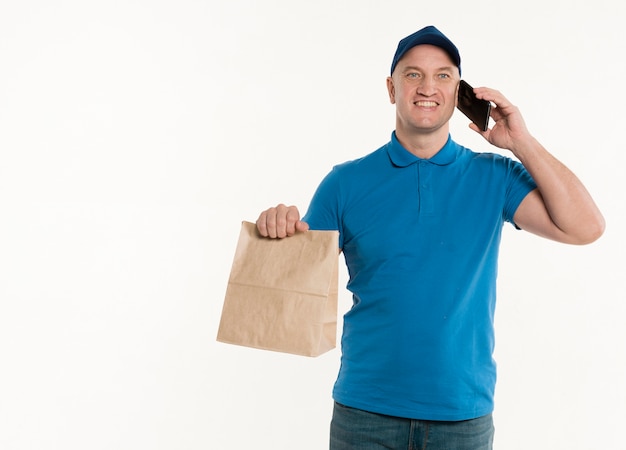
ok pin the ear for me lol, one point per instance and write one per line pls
(391, 89)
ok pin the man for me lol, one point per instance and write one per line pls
(420, 223)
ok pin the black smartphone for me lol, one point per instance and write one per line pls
(475, 109)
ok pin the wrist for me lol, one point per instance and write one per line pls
(525, 148)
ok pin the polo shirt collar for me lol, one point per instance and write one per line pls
(401, 157)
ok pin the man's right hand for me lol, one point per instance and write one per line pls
(280, 221)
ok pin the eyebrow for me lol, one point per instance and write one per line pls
(448, 68)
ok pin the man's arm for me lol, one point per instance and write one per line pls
(560, 208)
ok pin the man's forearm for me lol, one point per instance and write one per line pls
(566, 199)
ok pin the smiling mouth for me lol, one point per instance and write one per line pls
(426, 104)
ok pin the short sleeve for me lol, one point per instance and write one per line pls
(519, 185)
(323, 211)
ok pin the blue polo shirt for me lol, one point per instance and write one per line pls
(420, 239)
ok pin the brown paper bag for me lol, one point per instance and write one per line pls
(282, 293)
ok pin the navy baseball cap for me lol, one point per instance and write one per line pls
(427, 35)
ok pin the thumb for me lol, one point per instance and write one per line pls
(302, 226)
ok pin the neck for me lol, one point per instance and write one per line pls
(423, 145)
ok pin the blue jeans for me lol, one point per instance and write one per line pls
(353, 429)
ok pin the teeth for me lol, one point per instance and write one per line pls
(426, 104)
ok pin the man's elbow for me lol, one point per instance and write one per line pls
(592, 231)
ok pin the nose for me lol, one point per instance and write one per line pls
(426, 87)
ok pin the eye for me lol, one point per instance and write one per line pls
(412, 75)
(444, 76)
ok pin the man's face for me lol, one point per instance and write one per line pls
(424, 87)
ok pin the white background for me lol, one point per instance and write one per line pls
(136, 135)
